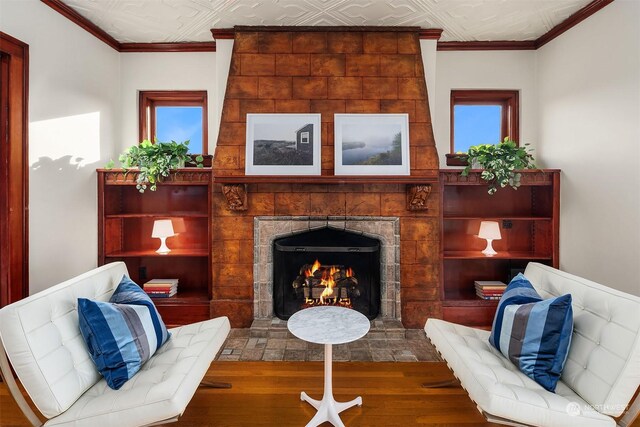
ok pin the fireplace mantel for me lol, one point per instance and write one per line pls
(327, 179)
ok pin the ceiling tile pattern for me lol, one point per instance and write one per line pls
(146, 21)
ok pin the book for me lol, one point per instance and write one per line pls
(490, 284)
(161, 283)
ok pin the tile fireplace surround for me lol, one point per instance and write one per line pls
(326, 70)
(268, 228)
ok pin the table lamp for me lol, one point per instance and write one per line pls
(489, 230)
(162, 228)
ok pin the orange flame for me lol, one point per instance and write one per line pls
(316, 265)
(349, 272)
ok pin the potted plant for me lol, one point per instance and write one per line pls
(155, 160)
(500, 163)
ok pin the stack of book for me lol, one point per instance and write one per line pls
(161, 288)
(489, 289)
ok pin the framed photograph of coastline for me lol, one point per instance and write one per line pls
(371, 144)
(283, 144)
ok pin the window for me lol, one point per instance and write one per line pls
(304, 137)
(175, 115)
(482, 117)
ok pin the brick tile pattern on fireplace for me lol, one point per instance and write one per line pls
(269, 340)
(325, 72)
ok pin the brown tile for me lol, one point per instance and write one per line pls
(274, 42)
(293, 65)
(408, 252)
(233, 228)
(360, 356)
(235, 276)
(327, 204)
(255, 64)
(274, 87)
(228, 157)
(363, 65)
(416, 313)
(408, 43)
(231, 251)
(309, 42)
(245, 42)
(239, 312)
(273, 355)
(427, 251)
(276, 343)
(380, 42)
(296, 344)
(315, 355)
(253, 354)
(419, 229)
(292, 203)
(412, 88)
(422, 111)
(345, 87)
(248, 106)
(326, 159)
(261, 204)
(232, 133)
(400, 106)
(415, 334)
(397, 65)
(327, 107)
(344, 42)
(382, 356)
(234, 65)
(363, 204)
(393, 204)
(242, 87)
(293, 106)
(421, 135)
(310, 87)
(379, 87)
(231, 111)
(327, 65)
(239, 333)
(427, 157)
(421, 293)
(363, 106)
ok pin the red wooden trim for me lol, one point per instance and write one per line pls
(508, 99)
(295, 29)
(83, 22)
(331, 179)
(15, 248)
(487, 45)
(148, 100)
(430, 33)
(572, 21)
(223, 33)
(168, 47)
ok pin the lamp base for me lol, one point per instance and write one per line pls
(163, 249)
(488, 251)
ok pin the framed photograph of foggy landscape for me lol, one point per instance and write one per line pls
(283, 144)
(371, 144)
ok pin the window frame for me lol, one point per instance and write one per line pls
(150, 99)
(507, 99)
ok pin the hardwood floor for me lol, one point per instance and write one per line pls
(268, 394)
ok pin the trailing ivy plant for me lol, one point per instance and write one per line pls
(155, 160)
(500, 163)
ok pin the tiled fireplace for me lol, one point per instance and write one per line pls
(325, 70)
(386, 230)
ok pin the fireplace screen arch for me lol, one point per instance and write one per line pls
(326, 267)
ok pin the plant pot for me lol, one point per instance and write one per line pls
(457, 159)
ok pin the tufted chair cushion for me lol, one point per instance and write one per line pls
(603, 365)
(43, 343)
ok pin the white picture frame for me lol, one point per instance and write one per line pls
(283, 144)
(368, 144)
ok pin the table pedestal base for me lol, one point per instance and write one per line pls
(328, 408)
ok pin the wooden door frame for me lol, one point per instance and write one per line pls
(14, 173)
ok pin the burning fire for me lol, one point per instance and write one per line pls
(315, 277)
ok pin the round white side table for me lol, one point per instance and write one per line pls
(328, 325)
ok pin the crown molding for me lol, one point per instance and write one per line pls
(83, 22)
(223, 33)
(565, 25)
(168, 47)
(430, 33)
(572, 21)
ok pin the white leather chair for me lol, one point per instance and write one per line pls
(601, 375)
(41, 337)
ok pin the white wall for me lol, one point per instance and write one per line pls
(589, 126)
(73, 121)
(165, 71)
(514, 70)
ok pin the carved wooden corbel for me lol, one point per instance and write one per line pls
(236, 195)
(417, 196)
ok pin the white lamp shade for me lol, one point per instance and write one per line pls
(162, 228)
(490, 230)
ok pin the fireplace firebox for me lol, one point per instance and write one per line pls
(326, 267)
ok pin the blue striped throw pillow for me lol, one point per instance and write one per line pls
(534, 334)
(123, 333)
